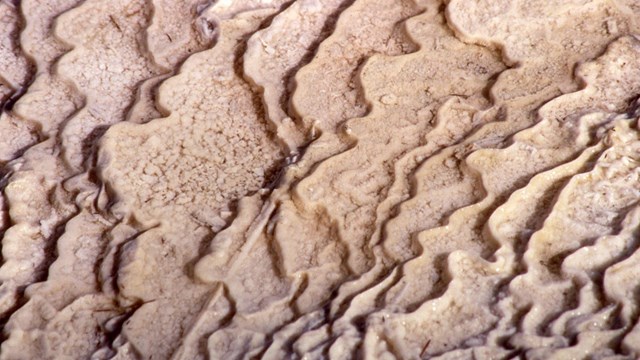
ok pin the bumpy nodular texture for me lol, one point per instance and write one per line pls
(320, 179)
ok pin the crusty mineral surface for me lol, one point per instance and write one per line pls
(320, 179)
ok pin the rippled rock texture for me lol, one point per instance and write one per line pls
(320, 179)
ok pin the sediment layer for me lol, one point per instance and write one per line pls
(319, 179)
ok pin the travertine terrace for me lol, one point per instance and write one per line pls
(320, 179)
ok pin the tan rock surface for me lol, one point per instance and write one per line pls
(315, 179)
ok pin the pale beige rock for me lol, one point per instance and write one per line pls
(15, 69)
(397, 179)
(316, 264)
(40, 196)
(275, 54)
(225, 138)
(35, 204)
(177, 30)
(114, 66)
(539, 147)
